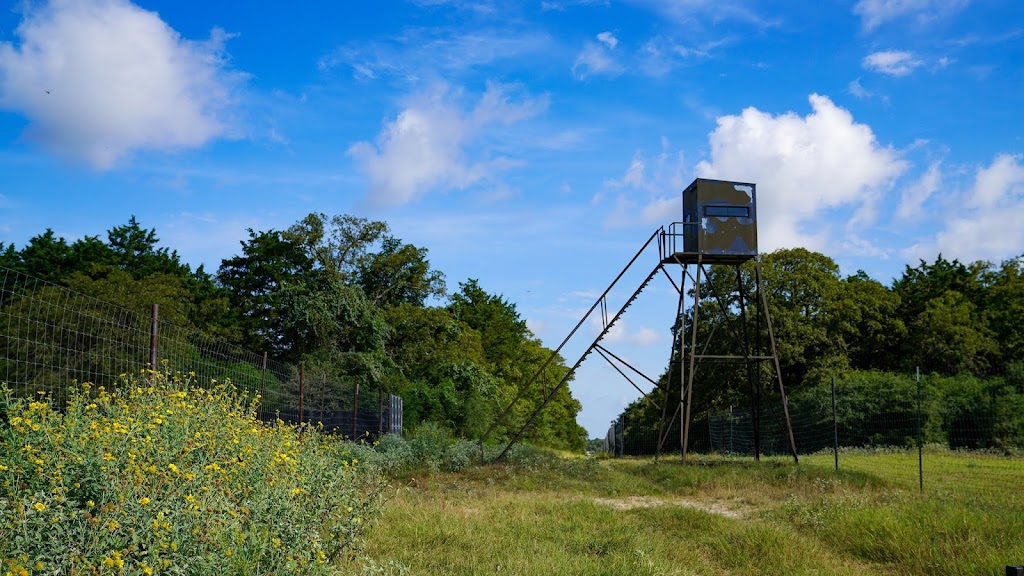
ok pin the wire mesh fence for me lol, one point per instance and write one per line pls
(961, 437)
(51, 337)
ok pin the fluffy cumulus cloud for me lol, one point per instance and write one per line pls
(988, 224)
(803, 166)
(98, 79)
(891, 62)
(427, 146)
(876, 12)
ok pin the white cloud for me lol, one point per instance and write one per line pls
(420, 52)
(608, 39)
(427, 145)
(1003, 180)
(915, 195)
(596, 58)
(988, 225)
(562, 5)
(98, 79)
(891, 62)
(653, 182)
(803, 166)
(858, 89)
(620, 333)
(660, 55)
(876, 12)
(688, 12)
(482, 7)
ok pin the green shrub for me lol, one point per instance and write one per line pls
(162, 477)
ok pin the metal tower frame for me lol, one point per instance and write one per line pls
(668, 255)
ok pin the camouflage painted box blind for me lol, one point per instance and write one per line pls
(720, 220)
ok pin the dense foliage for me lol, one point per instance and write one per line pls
(161, 476)
(960, 324)
(340, 294)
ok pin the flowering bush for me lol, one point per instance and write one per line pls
(161, 477)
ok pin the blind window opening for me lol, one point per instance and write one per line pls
(727, 211)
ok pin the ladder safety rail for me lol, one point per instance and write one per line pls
(658, 234)
(602, 352)
(583, 357)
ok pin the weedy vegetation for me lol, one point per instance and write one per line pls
(542, 513)
(159, 476)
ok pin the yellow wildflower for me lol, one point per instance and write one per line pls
(39, 506)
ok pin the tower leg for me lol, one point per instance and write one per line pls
(685, 428)
(755, 388)
(674, 356)
(775, 359)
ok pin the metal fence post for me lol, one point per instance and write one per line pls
(153, 336)
(302, 387)
(355, 409)
(835, 425)
(263, 384)
(920, 440)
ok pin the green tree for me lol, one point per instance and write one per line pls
(866, 323)
(1005, 312)
(945, 338)
(556, 425)
(135, 251)
(254, 280)
(337, 245)
(441, 369)
(398, 273)
(502, 330)
(46, 257)
(803, 289)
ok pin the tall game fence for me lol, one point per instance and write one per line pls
(51, 336)
(958, 437)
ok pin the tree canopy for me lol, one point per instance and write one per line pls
(340, 294)
(345, 294)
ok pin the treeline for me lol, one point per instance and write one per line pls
(343, 296)
(961, 324)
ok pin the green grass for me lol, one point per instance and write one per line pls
(161, 477)
(965, 475)
(576, 516)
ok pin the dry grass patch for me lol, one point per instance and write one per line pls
(727, 510)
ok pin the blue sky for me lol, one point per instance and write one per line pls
(531, 144)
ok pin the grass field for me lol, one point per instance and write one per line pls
(586, 516)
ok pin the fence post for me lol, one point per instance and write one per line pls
(153, 336)
(920, 440)
(835, 425)
(380, 412)
(263, 385)
(711, 435)
(355, 409)
(302, 388)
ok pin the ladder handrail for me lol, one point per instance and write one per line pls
(659, 233)
(583, 357)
